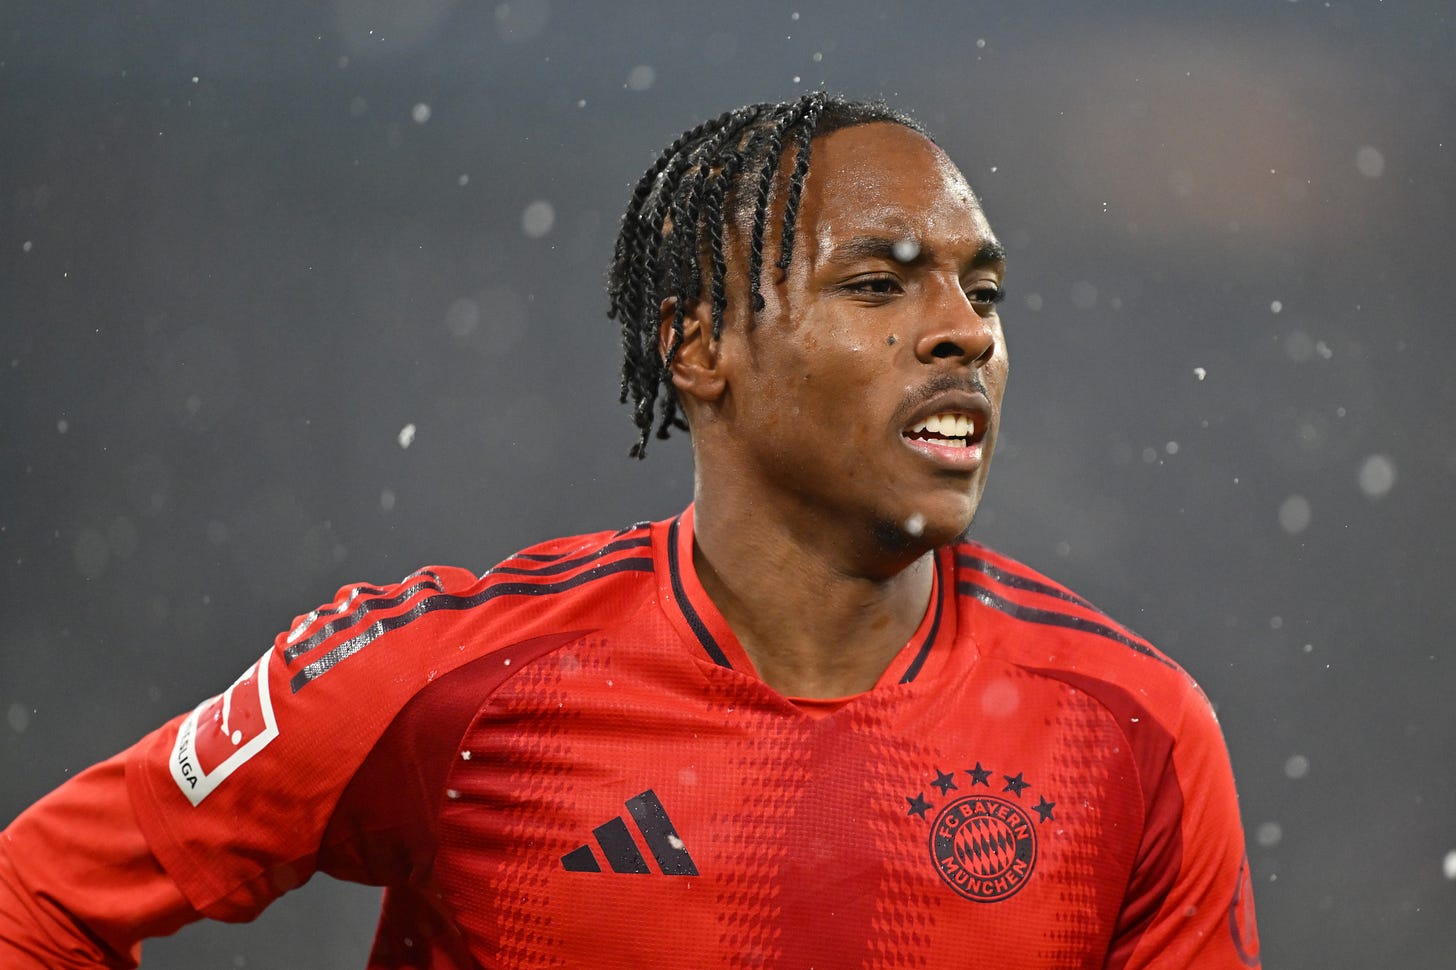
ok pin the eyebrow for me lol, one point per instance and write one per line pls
(883, 247)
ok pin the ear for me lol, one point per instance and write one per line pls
(697, 367)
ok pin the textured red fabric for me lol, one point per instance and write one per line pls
(570, 762)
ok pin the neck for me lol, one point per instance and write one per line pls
(817, 614)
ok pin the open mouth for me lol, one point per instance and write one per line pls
(950, 429)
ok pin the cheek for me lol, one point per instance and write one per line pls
(996, 373)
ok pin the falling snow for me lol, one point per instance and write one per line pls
(1377, 476)
(640, 78)
(905, 250)
(1084, 295)
(1294, 514)
(1369, 162)
(1325, 405)
(521, 20)
(463, 317)
(538, 218)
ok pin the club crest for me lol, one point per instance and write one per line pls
(983, 844)
(984, 847)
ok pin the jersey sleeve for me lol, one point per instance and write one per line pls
(226, 807)
(1190, 902)
(79, 887)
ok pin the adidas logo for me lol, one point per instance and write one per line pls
(620, 849)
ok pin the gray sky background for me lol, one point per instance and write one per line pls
(243, 248)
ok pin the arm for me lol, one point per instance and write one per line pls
(224, 809)
(1190, 901)
(79, 886)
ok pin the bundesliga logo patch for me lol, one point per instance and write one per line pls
(983, 844)
(223, 733)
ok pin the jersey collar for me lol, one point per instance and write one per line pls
(699, 623)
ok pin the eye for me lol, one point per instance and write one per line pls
(876, 285)
(985, 294)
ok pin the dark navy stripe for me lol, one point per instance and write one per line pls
(553, 556)
(913, 670)
(1021, 582)
(617, 845)
(361, 589)
(427, 581)
(1049, 618)
(667, 847)
(694, 621)
(447, 601)
(569, 564)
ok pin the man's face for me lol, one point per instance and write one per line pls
(867, 393)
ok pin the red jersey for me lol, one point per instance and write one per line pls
(570, 761)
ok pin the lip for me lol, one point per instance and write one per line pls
(972, 404)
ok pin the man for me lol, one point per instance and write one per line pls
(802, 724)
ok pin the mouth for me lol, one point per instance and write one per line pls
(950, 429)
(952, 434)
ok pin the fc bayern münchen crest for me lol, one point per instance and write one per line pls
(984, 847)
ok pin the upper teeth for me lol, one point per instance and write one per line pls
(949, 425)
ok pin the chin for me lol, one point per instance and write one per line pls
(931, 528)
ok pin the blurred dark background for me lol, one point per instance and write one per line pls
(298, 294)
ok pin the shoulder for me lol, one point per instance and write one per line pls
(579, 559)
(448, 615)
(1024, 618)
(286, 738)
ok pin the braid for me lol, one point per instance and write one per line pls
(674, 230)
(796, 181)
(629, 242)
(773, 147)
(630, 280)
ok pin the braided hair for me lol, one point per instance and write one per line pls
(673, 231)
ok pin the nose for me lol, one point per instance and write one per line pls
(956, 330)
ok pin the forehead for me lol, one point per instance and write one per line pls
(884, 177)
